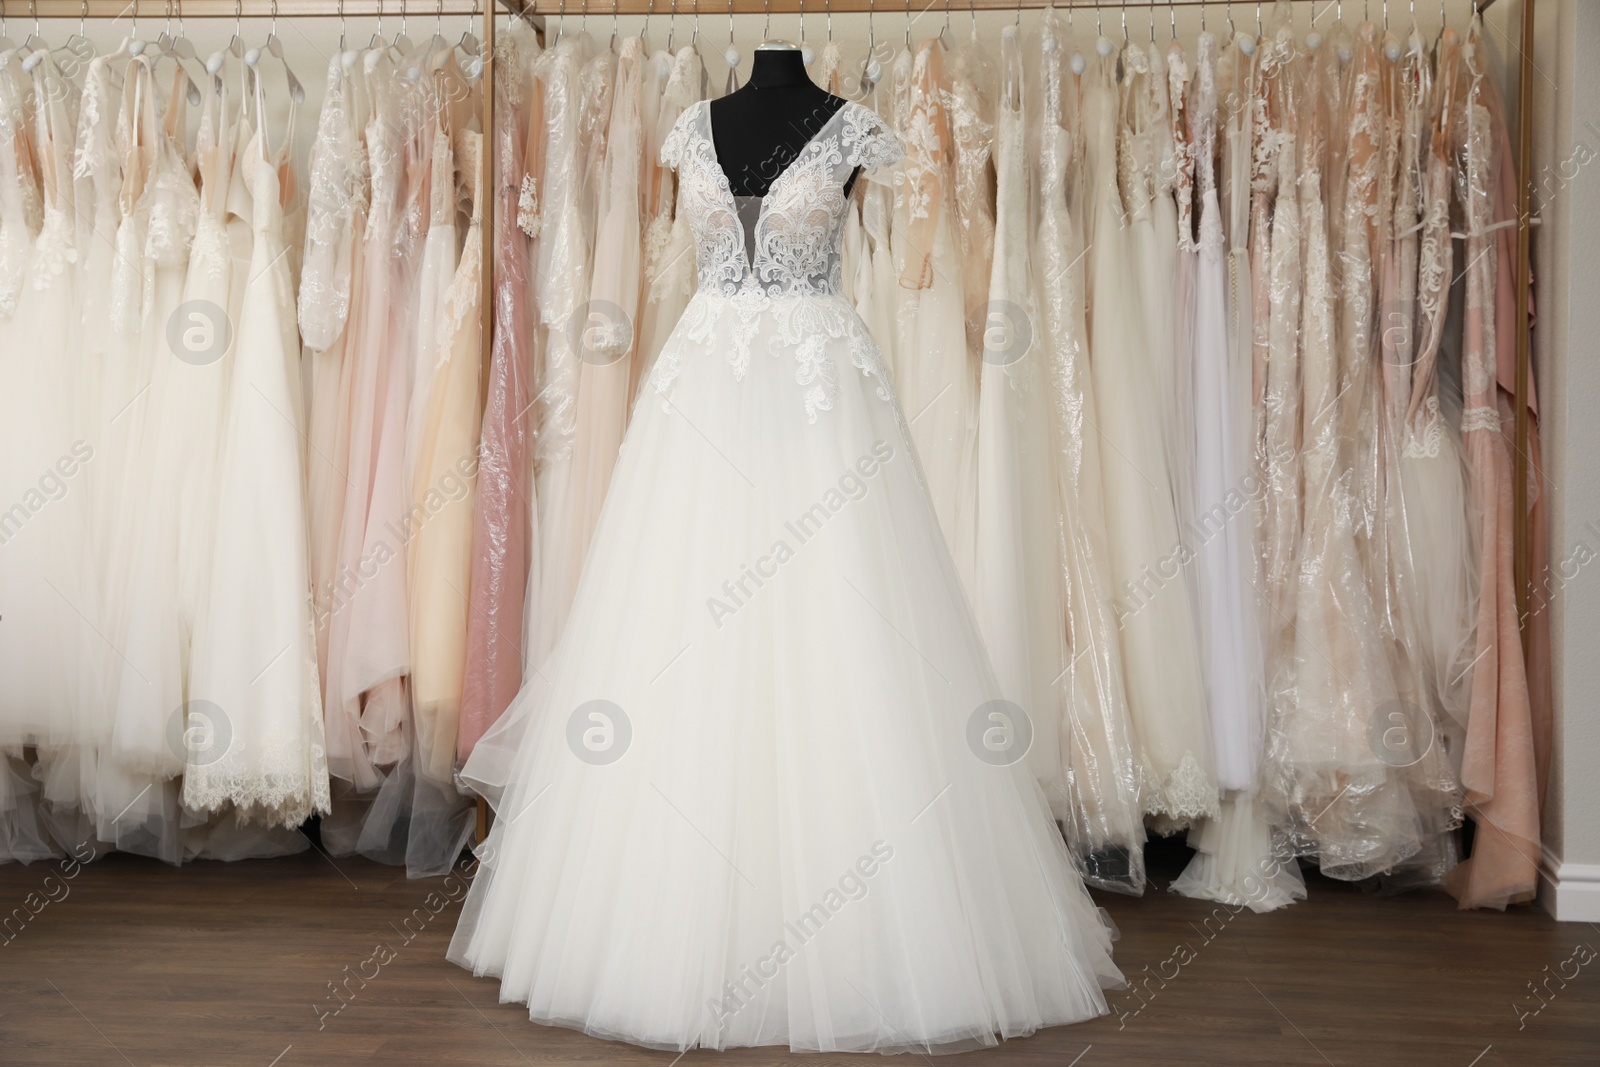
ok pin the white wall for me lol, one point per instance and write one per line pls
(1566, 175)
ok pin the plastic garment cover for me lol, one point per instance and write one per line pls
(505, 531)
(1097, 801)
(1235, 861)
(1130, 272)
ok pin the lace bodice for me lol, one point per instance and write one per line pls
(787, 242)
(769, 266)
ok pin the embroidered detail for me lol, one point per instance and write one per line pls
(1187, 794)
(528, 206)
(1480, 419)
(786, 266)
(1425, 437)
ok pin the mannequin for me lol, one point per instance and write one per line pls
(761, 127)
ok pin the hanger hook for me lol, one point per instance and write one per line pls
(766, 26)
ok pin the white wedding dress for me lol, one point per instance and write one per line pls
(759, 793)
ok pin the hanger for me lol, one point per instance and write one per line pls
(179, 50)
(871, 69)
(806, 55)
(1245, 42)
(471, 47)
(731, 55)
(78, 44)
(375, 45)
(434, 48)
(1391, 45)
(274, 48)
(34, 40)
(1078, 63)
(469, 43)
(402, 44)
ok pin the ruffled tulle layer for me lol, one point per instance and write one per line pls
(761, 792)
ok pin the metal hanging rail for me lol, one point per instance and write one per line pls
(664, 8)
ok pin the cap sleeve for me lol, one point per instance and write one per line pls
(678, 137)
(868, 144)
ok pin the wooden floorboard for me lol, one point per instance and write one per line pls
(216, 965)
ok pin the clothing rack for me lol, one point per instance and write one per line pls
(536, 10)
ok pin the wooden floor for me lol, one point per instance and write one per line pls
(134, 963)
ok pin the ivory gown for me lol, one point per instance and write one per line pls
(677, 823)
(1161, 665)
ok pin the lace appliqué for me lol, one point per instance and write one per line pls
(1425, 438)
(1186, 795)
(867, 142)
(791, 269)
(528, 218)
(1480, 419)
(53, 251)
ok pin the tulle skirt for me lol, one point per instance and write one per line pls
(761, 792)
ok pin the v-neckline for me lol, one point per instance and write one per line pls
(727, 183)
(711, 138)
(747, 254)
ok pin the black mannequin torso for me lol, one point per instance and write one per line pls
(761, 127)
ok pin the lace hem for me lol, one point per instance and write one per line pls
(286, 791)
(1186, 795)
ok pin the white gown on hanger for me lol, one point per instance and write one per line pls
(1161, 659)
(255, 652)
(750, 799)
(1018, 511)
(49, 649)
